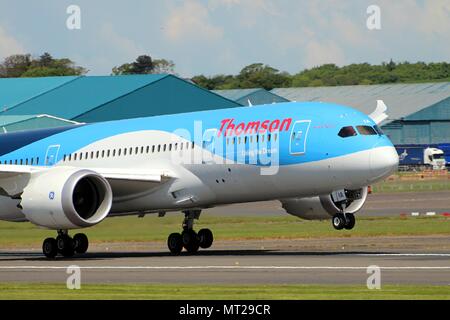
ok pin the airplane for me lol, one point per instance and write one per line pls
(317, 159)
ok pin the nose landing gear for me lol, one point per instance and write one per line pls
(189, 239)
(343, 221)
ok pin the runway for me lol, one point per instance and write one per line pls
(404, 260)
(379, 204)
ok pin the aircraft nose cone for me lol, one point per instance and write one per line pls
(383, 162)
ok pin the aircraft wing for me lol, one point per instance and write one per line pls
(127, 184)
(8, 171)
(124, 183)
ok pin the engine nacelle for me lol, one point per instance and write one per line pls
(66, 198)
(323, 207)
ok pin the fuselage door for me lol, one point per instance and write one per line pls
(299, 136)
(51, 156)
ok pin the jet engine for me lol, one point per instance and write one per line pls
(66, 198)
(325, 206)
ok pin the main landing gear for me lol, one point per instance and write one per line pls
(188, 238)
(343, 221)
(65, 245)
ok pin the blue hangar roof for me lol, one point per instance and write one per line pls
(14, 91)
(255, 96)
(103, 98)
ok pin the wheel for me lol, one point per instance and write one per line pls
(50, 248)
(190, 241)
(338, 221)
(206, 238)
(65, 245)
(81, 243)
(175, 243)
(351, 221)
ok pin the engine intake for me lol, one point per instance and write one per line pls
(323, 207)
(67, 198)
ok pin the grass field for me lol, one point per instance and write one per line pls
(152, 228)
(411, 186)
(220, 292)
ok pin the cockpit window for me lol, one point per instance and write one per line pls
(347, 132)
(366, 131)
(378, 130)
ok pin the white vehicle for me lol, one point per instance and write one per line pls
(316, 158)
(435, 158)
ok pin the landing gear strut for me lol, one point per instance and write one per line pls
(65, 245)
(343, 221)
(189, 239)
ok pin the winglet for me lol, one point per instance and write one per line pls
(250, 104)
(379, 115)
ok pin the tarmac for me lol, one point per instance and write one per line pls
(378, 204)
(401, 260)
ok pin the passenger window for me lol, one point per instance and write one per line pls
(366, 131)
(347, 132)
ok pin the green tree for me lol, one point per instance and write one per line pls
(145, 65)
(44, 66)
(163, 66)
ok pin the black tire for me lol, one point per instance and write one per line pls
(351, 221)
(206, 238)
(175, 243)
(81, 243)
(190, 241)
(338, 221)
(65, 246)
(50, 248)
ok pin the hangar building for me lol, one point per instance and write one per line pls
(103, 98)
(418, 113)
(254, 96)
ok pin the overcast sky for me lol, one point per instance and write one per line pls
(222, 36)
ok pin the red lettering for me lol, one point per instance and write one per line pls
(239, 129)
(274, 126)
(223, 123)
(230, 128)
(287, 123)
(264, 126)
(252, 127)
